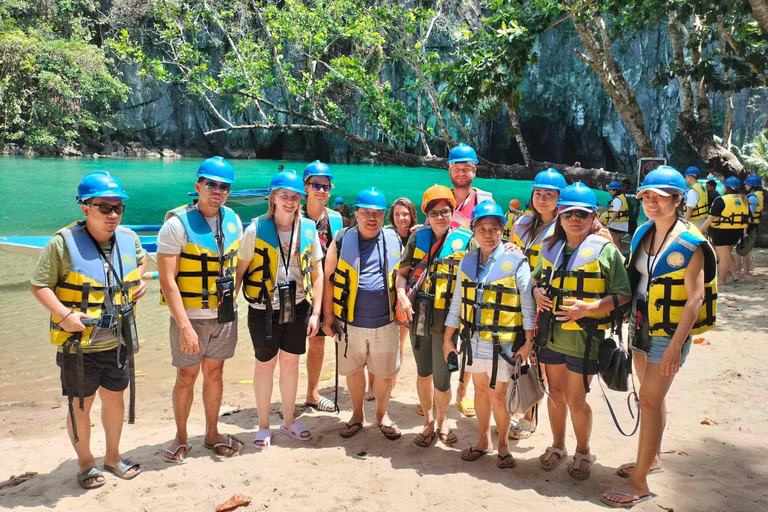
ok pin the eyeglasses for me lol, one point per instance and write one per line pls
(445, 212)
(213, 185)
(374, 214)
(580, 214)
(317, 187)
(106, 209)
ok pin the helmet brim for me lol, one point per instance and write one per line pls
(548, 187)
(104, 195)
(662, 191)
(301, 192)
(569, 204)
(370, 206)
(463, 161)
(216, 178)
(565, 208)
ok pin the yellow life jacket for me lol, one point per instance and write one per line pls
(199, 264)
(667, 295)
(346, 276)
(623, 214)
(501, 317)
(702, 205)
(760, 195)
(259, 280)
(581, 279)
(87, 283)
(509, 222)
(522, 238)
(444, 267)
(605, 218)
(735, 215)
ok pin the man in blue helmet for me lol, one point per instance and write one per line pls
(618, 224)
(87, 277)
(359, 307)
(462, 161)
(340, 206)
(196, 259)
(696, 198)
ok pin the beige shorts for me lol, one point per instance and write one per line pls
(482, 360)
(379, 349)
(217, 341)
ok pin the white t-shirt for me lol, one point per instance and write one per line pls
(618, 226)
(172, 238)
(691, 198)
(248, 244)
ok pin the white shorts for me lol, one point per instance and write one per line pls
(482, 360)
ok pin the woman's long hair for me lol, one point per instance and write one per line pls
(271, 209)
(533, 225)
(402, 201)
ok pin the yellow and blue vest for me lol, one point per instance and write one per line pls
(346, 276)
(87, 284)
(500, 314)
(581, 279)
(444, 267)
(760, 195)
(522, 238)
(667, 296)
(623, 214)
(335, 220)
(259, 280)
(199, 265)
(702, 205)
(735, 215)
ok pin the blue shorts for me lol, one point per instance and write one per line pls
(658, 345)
(574, 364)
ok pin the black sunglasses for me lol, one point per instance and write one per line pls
(213, 185)
(581, 214)
(317, 187)
(106, 209)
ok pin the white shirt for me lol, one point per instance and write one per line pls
(248, 244)
(172, 238)
(691, 198)
(618, 226)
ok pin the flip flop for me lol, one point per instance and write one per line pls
(228, 444)
(467, 408)
(322, 405)
(445, 437)
(621, 471)
(265, 436)
(578, 458)
(505, 465)
(627, 504)
(93, 472)
(394, 436)
(169, 454)
(351, 433)
(426, 439)
(295, 431)
(561, 456)
(473, 454)
(123, 467)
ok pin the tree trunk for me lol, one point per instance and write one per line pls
(422, 137)
(594, 36)
(728, 127)
(697, 127)
(760, 11)
(517, 133)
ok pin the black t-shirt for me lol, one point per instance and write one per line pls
(718, 205)
(711, 196)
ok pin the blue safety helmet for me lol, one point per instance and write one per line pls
(287, 180)
(371, 198)
(549, 179)
(578, 194)
(754, 181)
(462, 154)
(100, 184)
(338, 201)
(217, 168)
(692, 171)
(317, 168)
(663, 178)
(614, 185)
(732, 182)
(486, 209)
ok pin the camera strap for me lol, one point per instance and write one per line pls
(286, 260)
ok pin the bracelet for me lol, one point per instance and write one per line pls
(70, 312)
(532, 340)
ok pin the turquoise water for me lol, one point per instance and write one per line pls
(39, 196)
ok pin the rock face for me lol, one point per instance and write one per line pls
(565, 115)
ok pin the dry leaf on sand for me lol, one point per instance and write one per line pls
(238, 500)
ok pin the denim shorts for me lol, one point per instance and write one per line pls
(659, 344)
(574, 364)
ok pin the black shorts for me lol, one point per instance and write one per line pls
(100, 369)
(574, 364)
(291, 338)
(721, 237)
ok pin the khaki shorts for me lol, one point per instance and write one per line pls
(482, 360)
(217, 341)
(377, 348)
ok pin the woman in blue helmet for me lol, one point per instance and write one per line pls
(579, 278)
(728, 221)
(672, 270)
(756, 199)
(281, 274)
(494, 312)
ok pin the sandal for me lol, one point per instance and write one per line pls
(392, 436)
(561, 456)
(426, 440)
(351, 433)
(578, 458)
(505, 465)
(121, 469)
(626, 504)
(625, 470)
(295, 431)
(467, 408)
(237, 449)
(265, 436)
(523, 429)
(473, 454)
(448, 438)
(322, 405)
(170, 455)
(94, 473)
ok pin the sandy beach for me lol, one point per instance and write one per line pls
(719, 466)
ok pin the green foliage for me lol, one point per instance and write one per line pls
(755, 154)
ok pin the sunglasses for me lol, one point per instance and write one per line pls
(580, 214)
(106, 209)
(213, 185)
(445, 212)
(317, 187)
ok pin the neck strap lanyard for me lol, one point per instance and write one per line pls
(286, 261)
(106, 261)
(650, 249)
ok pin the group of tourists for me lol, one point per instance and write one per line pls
(474, 293)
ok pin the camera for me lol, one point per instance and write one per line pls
(422, 314)
(105, 321)
(286, 292)
(225, 290)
